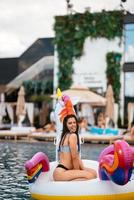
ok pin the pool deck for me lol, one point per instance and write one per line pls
(42, 136)
(87, 137)
(12, 135)
(30, 136)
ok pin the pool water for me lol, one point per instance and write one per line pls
(13, 180)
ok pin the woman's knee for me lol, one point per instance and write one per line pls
(56, 176)
(61, 176)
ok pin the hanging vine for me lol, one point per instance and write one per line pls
(71, 32)
(113, 72)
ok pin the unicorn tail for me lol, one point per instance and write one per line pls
(36, 165)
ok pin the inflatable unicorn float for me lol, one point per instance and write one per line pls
(115, 179)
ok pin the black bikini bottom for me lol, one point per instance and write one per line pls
(62, 166)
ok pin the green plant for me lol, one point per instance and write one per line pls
(38, 87)
(71, 32)
(113, 73)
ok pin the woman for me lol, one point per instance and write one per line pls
(70, 165)
(101, 123)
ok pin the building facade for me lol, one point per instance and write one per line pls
(90, 68)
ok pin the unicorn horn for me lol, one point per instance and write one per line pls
(59, 93)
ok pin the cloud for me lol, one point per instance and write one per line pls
(129, 5)
(96, 5)
(24, 21)
(12, 47)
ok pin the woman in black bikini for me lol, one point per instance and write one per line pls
(70, 165)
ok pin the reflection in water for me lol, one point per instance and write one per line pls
(13, 180)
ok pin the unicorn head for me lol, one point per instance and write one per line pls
(63, 108)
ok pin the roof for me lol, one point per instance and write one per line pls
(8, 69)
(40, 48)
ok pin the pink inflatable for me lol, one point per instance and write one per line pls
(39, 163)
(116, 163)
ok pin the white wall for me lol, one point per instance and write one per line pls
(90, 69)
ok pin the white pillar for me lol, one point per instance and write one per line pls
(122, 80)
(55, 83)
(122, 94)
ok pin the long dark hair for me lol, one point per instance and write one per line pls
(65, 130)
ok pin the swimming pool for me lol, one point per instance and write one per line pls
(13, 181)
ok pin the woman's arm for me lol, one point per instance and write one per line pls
(132, 132)
(74, 151)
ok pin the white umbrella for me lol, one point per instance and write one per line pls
(109, 112)
(2, 107)
(21, 107)
(84, 95)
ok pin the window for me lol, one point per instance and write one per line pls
(129, 82)
(129, 42)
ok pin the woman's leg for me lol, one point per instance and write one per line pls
(69, 175)
(90, 170)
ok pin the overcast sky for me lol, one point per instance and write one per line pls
(24, 21)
